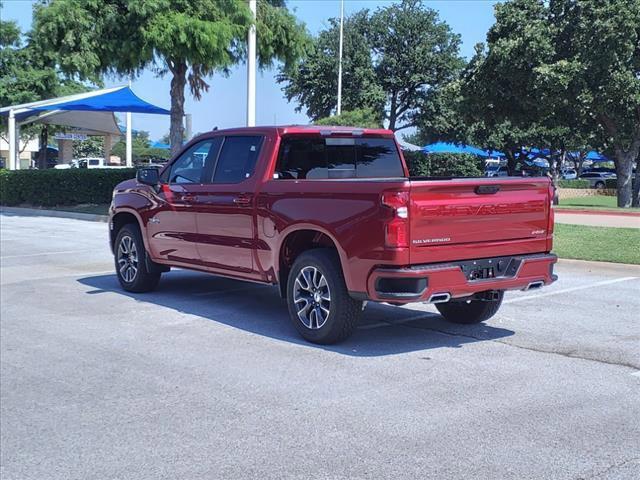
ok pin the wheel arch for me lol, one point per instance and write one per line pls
(298, 239)
(124, 217)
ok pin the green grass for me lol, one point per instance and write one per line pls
(601, 244)
(598, 202)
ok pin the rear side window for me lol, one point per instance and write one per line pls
(322, 158)
(237, 159)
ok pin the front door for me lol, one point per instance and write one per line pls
(172, 227)
(225, 213)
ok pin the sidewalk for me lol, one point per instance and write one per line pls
(598, 219)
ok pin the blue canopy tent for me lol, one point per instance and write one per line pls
(160, 145)
(597, 157)
(91, 113)
(446, 147)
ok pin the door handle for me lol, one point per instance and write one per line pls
(242, 200)
(188, 198)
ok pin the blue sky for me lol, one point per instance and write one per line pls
(225, 104)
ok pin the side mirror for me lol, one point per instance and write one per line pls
(148, 176)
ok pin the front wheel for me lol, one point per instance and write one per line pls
(131, 265)
(470, 311)
(319, 304)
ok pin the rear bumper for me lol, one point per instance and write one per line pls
(418, 283)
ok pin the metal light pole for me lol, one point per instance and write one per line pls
(251, 68)
(13, 153)
(339, 109)
(129, 146)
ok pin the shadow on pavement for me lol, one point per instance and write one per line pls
(383, 329)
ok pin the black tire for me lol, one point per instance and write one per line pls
(470, 312)
(599, 185)
(141, 280)
(343, 311)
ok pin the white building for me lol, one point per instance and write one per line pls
(26, 151)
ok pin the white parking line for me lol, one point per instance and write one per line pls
(44, 253)
(572, 289)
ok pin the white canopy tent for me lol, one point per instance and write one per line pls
(90, 113)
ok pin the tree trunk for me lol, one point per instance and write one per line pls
(635, 202)
(512, 161)
(44, 140)
(555, 173)
(624, 166)
(579, 163)
(393, 114)
(178, 83)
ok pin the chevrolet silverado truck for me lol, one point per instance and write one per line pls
(331, 216)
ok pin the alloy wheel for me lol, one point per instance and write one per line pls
(127, 259)
(312, 298)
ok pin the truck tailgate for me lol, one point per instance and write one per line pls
(473, 212)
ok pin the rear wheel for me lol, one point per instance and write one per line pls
(131, 261)
(599, 185)
(470, 311)
(319, 304)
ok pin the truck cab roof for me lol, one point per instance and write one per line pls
(306, 129)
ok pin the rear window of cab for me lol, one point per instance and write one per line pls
(312, 158)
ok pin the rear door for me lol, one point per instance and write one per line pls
(474, 212)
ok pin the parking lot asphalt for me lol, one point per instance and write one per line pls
(206, 378)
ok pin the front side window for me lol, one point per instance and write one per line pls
(322, 158)
(237, 159)
(190, 167)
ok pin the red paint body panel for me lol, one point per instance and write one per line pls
(238, 229)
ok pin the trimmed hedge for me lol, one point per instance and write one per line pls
(573, 184)
(52, 187)
(444, 164)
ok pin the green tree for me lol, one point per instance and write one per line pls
(355, 118)
(564, 75)
(91, 147)
(501, 101)
(186, 39)
(141, 149)
(444, 165)
(394, 61)
(26, 76)
(597, 61)
(313, 81)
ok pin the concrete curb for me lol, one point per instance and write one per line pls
(38, 212)
(631, 267)
(578, 211)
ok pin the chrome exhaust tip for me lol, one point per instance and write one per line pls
(440, 297)
(533, 286)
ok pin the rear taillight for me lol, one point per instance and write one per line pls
(397, 229)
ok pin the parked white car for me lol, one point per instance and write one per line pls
(496, 171)
(569, 174)
(87, 162)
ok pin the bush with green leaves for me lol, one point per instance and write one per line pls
(577, 183)
(364, 118)
(444, 165)
(49, 188)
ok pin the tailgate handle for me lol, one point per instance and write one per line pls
(487, 189)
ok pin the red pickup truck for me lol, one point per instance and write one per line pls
(331, 215)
